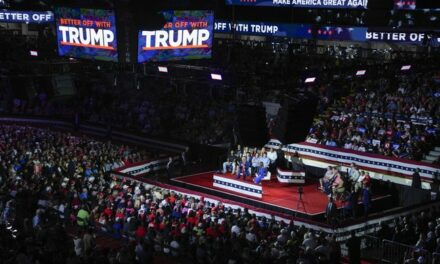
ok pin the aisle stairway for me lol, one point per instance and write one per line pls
(432, 156)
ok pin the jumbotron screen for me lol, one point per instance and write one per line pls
(86, 33)
(186, 35)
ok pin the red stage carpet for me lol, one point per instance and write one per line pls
(274, 193)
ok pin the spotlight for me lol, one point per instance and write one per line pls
(310, 80)
(405, 68)
(33, 53)
(162, 69)
(217, 77)
(361, 72)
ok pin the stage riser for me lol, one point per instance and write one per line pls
(238, 186)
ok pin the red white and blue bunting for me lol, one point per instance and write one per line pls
(238, 186)
(285, 176)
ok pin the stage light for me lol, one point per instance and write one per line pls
(217, 77)
(361, 72)
(162, 69)
(405, 68)
(310, 80)
(33, 53)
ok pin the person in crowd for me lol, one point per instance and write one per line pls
(242, 169)
(354, 248)
(261, 173)
(265, 160)
(366, 200)
(326, 181)
(255, 163)
(229, 164)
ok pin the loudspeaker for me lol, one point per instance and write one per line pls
(252, 128)
(378, 12)
(380, 4)
(295, 118)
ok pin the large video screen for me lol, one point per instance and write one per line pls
(185, 35)
(86, 33)
(350, 4)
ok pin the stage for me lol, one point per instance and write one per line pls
(277, 196)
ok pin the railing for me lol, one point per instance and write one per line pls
(371, 248)
(394, 252)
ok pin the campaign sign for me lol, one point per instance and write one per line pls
(86, 33)
(185, 35)
(31, 17)
(351, 4)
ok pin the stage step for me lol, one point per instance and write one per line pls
(437, 148)
(434, 153)
(431, 158)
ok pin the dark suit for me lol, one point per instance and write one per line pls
(416, 181)
(170, 169)
(354, 250)
(330, 212)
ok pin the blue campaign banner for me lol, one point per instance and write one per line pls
(331, 33)
(401, 36)
(341, 33)
(264, 29)
(186, 35)
(28, 17)
(300, 31)
(350, 4)
(86, 33)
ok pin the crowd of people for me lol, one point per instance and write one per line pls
(419, 230)
(57, 195)
(392, 117)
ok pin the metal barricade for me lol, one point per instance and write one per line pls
(435, 258)
(371, 248)
(396, 253)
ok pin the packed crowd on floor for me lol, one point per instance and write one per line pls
(393, 117)
(57, 194)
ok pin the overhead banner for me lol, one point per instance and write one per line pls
(331, 33)
(28, 17)
(300, 31)
(350, 4)
(264, 29)
(405, 4)
(185, 35)
(87, 33)
(408, 37)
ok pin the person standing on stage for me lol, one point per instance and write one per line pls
(330, 211)
(416, 180)
(353, 173)
(328, 176)
(261, 173)
(170, 168)
(272, 156)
